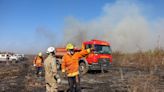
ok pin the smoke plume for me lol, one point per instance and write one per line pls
(123, 24)
(44, 38)
(46, 34)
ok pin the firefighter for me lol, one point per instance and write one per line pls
(70, 67)
(51, 76)
(38, 63)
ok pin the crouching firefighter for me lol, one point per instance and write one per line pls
(38, 63)
(51, 76)
(70, 67)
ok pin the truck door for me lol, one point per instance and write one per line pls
(90, 57)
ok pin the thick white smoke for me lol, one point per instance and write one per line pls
(122, 24)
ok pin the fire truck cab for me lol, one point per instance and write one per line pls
(100, 57)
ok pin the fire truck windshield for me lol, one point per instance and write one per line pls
(102, 49)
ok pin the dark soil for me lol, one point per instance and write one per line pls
(20, 77)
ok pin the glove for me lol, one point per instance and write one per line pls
(58, 80)
(88, 50)
(57, 76)
(34, 65)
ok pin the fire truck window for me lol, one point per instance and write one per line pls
(102, 49)
(88, 46)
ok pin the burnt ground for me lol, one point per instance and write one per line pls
(20, 77)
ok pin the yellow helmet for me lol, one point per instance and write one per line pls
(69, 46)
(40, 54)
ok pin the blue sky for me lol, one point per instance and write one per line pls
(19, 19)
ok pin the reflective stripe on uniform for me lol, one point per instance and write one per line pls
(63, 70)
(72, 74)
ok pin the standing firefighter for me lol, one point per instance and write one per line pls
(51, 76)
(38, 63)
(70, 66)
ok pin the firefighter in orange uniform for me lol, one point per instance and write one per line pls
(70, 67)
(38, 63)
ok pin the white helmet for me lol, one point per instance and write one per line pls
(50, 49)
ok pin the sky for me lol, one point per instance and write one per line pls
(30, 26)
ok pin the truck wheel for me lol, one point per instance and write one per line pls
(83, 68)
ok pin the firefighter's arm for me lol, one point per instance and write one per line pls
(34, 61)
(63, 65)
(54, 68)
(42, 60)
(54, 71)
(83, 53)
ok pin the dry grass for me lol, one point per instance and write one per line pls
(144, 60)
(144, 83)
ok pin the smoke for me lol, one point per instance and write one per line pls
(160, 32)
(44, 38)
(46, 34)
(74, 32)
(123, 24)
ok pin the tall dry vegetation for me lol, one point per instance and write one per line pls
(143, 60)
(148, 61)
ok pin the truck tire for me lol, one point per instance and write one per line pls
(83, 68)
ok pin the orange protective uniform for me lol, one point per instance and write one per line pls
(38, 61)
(70, 63)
